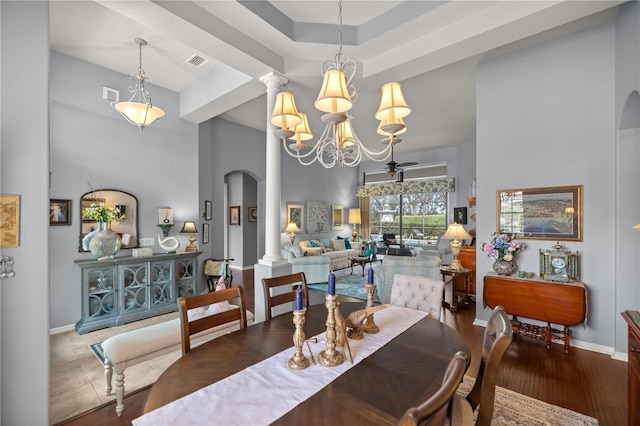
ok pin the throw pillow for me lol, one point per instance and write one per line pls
(338, 245)
(297, 251)
(312, 243)
(326, 244)
(347, 244)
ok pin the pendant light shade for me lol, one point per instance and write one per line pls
(392, 103)
(334, 95)
(139, 110)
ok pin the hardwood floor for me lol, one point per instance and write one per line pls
(587, 382)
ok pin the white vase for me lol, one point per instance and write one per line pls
(105, 244)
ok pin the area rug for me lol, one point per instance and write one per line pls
(349, 285)
(514, 409)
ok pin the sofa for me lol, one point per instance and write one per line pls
(424, 266)
(316, 258)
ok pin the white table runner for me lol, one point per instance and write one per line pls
(264, 392)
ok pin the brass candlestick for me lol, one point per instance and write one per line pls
(370, 325)
(298, 361)
(330, 357)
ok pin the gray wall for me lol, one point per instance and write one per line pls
(24, 155)
(546, 117)
(92, 146)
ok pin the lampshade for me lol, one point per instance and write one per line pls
(301, 133)
(637, 227)
(392, 103)
(285, 114)
(334, 95)
(456, 232)
(292, 227)
(139, 110)
(345, 134)
(354, 216)
(189, 228)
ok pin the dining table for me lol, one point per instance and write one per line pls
(404, 370)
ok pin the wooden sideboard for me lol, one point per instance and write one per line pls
(554, 303)
(633, 319)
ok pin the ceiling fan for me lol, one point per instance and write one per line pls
(393, 167)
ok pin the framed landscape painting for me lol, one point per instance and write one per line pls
(551, 213)
(10, 219)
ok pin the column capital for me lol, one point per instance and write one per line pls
(273, 80)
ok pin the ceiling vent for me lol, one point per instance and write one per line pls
(197, 60)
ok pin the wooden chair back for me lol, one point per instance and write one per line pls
(497, 338)
(436, 410)
(277, 296)
(189, 328)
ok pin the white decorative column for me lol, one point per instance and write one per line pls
(272, 264)
(274, 82)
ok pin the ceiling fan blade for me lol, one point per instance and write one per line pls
(407, 164)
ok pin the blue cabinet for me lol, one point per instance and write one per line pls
(124, 289)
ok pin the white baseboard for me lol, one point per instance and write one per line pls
(62, 329)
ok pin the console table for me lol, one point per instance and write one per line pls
(534, 298)
(633, 319)
(124, 289)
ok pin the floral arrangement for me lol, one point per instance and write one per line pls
(103, 212)
(502, 247)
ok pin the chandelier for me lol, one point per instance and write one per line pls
(338, 143)
(139, 110)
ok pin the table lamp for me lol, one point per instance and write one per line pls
(354, 219)
(454, 232)
(190, 229)
(292, 228)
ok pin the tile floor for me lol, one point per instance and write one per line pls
(77, 381)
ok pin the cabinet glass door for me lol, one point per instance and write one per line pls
(186, 281)
(161, 283)
(135, 288)
(101, 290)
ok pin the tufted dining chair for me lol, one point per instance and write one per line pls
(417, 292)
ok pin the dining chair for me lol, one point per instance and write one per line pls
(418, 292)
(497, 338)
(194, 318)
(281, 290)
(437, 409)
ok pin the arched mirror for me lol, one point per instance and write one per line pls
(127, 228)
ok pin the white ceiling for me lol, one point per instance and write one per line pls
(432, 47)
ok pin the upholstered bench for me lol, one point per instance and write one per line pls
(135, 346)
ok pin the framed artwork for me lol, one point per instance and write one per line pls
(59, 212)
(552, 213)
(10, 219)
(253, 214)
(337, 218)
(234, 215)
(205, 233)
(295, 213)
(87, 202)
(165, 217)
(460, 215)
(207, 210)
(318, 216)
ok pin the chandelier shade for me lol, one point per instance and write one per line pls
(334, 96)
(139, 110)
(387, 128)
(285, 114)
(392, 103)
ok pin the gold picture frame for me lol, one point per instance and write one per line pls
(337, 218)
(10, 220)
(547, 213)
